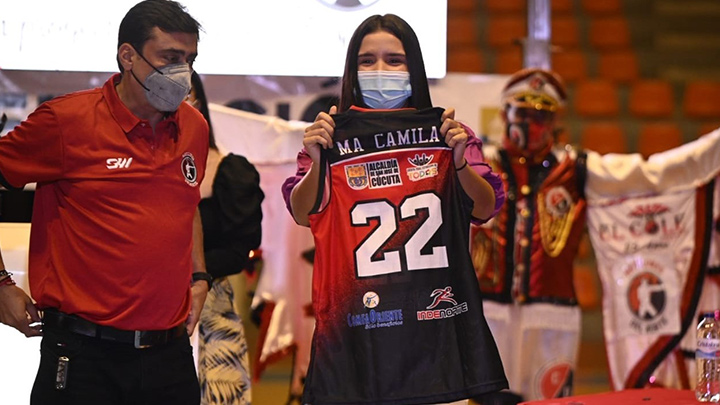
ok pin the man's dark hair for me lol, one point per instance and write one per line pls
(170, 16)
(350, 92)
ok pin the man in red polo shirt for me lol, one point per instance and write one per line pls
(113, 270)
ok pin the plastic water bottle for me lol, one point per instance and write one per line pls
(707, 358)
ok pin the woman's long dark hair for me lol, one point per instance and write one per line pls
(199, 90)
(350, 92)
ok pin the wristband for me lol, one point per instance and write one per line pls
(457, 169)
(7, 281)
(201, 275)
(6, 278)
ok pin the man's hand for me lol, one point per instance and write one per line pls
(199, 292)
(17, 310)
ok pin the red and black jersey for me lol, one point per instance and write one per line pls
(398, 311)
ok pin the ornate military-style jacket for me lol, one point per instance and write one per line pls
(525, 254)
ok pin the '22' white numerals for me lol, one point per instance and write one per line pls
(386, 214)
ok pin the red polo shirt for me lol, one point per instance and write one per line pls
(111, 234)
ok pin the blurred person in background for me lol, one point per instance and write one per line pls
(231, 221)
(524, 257)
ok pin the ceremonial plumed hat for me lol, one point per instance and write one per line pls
(535, 88)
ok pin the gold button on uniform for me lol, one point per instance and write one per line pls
(525, 212)
(525, 190)
(524, 242)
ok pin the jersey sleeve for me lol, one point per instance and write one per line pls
(32, 152)
(303, 165)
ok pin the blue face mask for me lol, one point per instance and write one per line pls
(384, 89)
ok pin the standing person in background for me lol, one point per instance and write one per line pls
(231, 221)
(115, 261)
(396, 357)
(524, 256)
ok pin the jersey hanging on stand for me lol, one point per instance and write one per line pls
(398, 311)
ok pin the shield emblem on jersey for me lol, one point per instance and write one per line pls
(188, 168)
(356, 176)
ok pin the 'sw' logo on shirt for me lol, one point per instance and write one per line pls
(118, 163)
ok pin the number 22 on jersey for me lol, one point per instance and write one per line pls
(388, 217)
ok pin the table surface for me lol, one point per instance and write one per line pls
(650, 396)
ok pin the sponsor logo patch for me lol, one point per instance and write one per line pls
(377, 174)
(371, 299)
(422, 168)
(118, 163)
(442, 295)
(356, 176)
(373, 318)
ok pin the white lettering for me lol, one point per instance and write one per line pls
(378, 139)
(410, 136)
(118, 163)
(391, 139)
(434, 134)
(404, 139)
(358, 146)
(345, 148)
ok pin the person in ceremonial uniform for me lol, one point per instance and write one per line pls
(524, 256)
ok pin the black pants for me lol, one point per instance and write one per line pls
(101, 372)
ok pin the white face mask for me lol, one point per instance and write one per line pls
(383, 89)
(167, 87)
